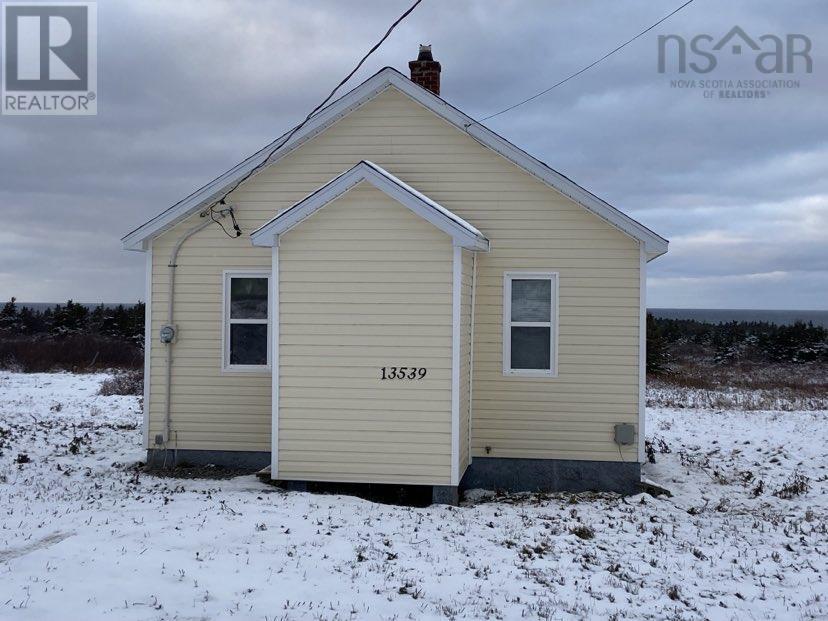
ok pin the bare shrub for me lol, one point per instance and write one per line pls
(583, 531)
(651, 447)
(123, 383)
(796, 485)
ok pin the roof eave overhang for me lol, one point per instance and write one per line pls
(654, 254)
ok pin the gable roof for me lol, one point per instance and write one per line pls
(463, 233)
(654, 245)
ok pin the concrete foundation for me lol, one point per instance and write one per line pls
(445, 495)
(235, 460)
(495, 473)
(552, 475)
(295, 486)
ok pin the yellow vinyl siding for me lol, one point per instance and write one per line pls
(531, 227)
(338, 421)
(210, 410)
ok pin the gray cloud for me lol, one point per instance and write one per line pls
(188, 88)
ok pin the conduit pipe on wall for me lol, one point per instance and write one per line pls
(171, 317)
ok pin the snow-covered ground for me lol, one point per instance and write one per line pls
(84, 537)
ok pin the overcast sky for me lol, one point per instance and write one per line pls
(187, 89)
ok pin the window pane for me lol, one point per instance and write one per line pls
(248, 343)
(531, 300)
(531, 348)
(248, 298)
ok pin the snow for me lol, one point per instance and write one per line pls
(83, 536)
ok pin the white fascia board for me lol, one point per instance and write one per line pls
(423, 198)
(654, 244)
(462, 233)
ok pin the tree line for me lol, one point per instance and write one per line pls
(71, 336)
(671, 340)
(74, 336)
(121, 322)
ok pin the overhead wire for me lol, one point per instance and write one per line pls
(324, 102)
(286, 138)
(584, 69)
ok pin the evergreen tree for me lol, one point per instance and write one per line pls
(31, 322)
(658, 353)
(69, 319)
(9, 317)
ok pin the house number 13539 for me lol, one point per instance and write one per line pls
(403, 373)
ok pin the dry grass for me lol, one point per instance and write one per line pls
(745, 385)
(78, 353)
(808, 379)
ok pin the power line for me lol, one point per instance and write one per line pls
(290, 134)
(588, 67)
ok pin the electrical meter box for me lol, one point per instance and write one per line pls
(167, 334)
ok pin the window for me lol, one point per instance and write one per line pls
(530, 317)
(246, 332)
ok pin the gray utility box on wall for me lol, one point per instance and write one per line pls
(624, 434)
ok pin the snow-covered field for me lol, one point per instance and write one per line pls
(83, 537)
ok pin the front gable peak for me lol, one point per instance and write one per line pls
(463, 233)
(210, 194)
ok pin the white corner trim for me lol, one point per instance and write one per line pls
(224, 362)
(463, 233)
(554, 323)
(456, 287)
(642, 352)
(471, 350)
(147, 342)
(274, 348)
(655, 245)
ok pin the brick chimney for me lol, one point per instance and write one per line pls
(425, 71)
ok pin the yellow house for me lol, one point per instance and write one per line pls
(410, 300)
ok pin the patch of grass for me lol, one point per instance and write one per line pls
(123, 383)
(698, 382)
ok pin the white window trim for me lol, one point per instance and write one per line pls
(226, 367)
(508, 324)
